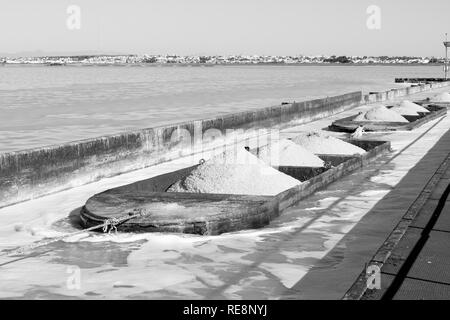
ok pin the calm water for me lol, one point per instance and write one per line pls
(42, 105)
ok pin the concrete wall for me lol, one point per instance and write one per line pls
(401, 92)
(33, 173)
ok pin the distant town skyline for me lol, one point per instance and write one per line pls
(219, 27)
(214, 60)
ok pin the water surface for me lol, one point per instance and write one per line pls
(43, 105)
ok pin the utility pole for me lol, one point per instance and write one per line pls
(446, 45)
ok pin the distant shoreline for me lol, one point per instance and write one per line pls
(217, 64)
(222, 60)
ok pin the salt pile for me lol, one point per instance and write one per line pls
(413, 106)
(404, 111)
(322, 144)
(442, 97)
(287, 153)
(235, 172)
(380, 113)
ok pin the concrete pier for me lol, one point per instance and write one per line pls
(315, 249)
(29, 174)
(415, 259)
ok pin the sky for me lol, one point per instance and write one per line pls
(208, 27)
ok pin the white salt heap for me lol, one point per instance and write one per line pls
(413, 106)
(380, 113)
(404, 111)
(287, 153)
(235, 172)
(442, 97)
(318, 143)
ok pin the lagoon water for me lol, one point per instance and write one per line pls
(44, 105)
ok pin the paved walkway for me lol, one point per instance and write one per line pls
(419, 265)
(414, 259)
(335, 273)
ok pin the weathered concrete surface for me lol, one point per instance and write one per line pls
(437, 103)
(347, 124)
(33, 173)
(212, 214)
(194, 213)
(335, 273)
(418, 265)
(425, 178)
(205, 214)
(262, 263)
(398, 93)
(295, 194)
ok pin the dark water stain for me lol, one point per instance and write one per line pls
(194, 258)
(229, 250)
(123, 286)
(107, 270)
(44, 293)
(333, 259)
(71, 223)
(93, 255)
(304, 242)
(162, 294)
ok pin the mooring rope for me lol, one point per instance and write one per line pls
(107, 226)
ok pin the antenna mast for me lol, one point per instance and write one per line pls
(446, 45)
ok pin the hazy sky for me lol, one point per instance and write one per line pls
(275, 27)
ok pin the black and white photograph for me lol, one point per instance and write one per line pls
(225, 155)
